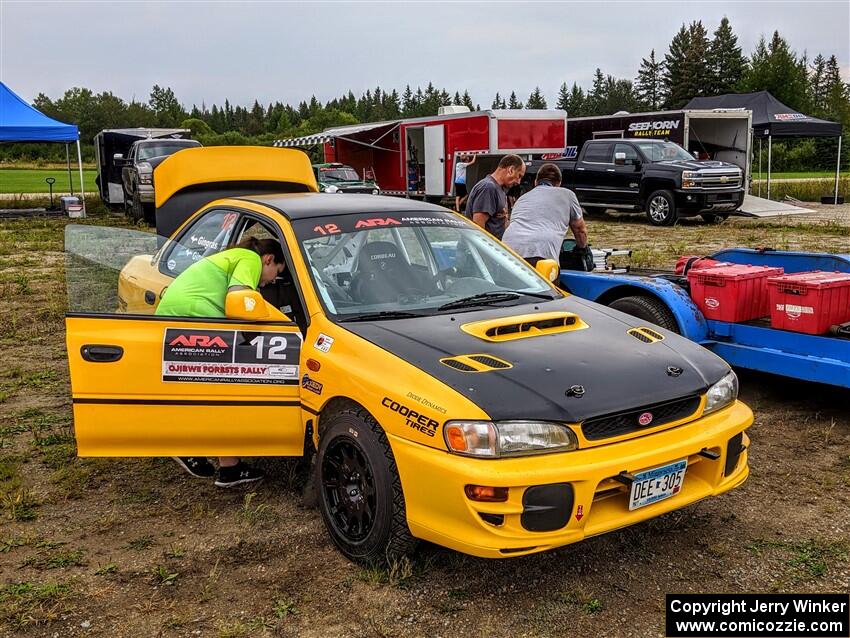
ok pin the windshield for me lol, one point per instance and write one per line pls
(338, 174)
(410, 264)
(664, 152)
(158, 149)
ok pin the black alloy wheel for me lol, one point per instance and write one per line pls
(349, 489)
(359, 490)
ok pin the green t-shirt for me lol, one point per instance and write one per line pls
(199, 291)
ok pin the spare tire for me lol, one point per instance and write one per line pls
(649, 309)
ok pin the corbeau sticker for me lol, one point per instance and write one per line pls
(414, 419)
(230, 356)
(323, 342)
(311, 384)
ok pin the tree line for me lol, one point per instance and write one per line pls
(695, 64)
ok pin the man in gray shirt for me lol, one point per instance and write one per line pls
(487, 204)
(541, 217)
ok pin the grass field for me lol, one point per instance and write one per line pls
(801, 175)
(14, 180)
(135, 547)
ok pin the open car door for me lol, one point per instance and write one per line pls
(144, 385)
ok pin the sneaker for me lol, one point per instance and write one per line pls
(238, 474)
(197, 466)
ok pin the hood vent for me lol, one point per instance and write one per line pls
(533, 325)
(647, 335)
(475, 363)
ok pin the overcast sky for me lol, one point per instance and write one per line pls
(209, 51)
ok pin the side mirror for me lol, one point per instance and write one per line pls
(549, 268)
(118, 159)
(249, 305)
(695, 154)
(620, 159)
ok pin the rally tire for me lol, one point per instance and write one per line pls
(380, 536)
(661, 208)
(648, 309)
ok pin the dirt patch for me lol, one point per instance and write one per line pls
(135, 547)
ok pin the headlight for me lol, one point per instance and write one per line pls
(507, 438)
(332, 189)
(721, 393)
(145, 173)
(690, 179)
(374, 191)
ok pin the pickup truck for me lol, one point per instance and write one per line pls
(137, 173)
(655, 176)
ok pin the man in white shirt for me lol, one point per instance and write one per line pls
(460, 179)
(541, 217)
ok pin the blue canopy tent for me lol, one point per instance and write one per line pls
(20, 122)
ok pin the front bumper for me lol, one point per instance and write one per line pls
(439, 511)
(693, 201)
(146, 193)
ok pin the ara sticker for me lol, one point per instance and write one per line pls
(311, 384)
(580, 512)
(323, 342)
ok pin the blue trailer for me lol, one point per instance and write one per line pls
(663, 298)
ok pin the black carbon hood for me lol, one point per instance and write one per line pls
(617, 371)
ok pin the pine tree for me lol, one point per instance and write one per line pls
(774, 67)
(817, 85)
(674, 68)
(563, 97)
(649, 85)
(467, 101)
(498, 102)
(407, 106)
(456, 99)
(726, 63)
(513, 102)
(577, 102)
(536, 100)
(596, 97)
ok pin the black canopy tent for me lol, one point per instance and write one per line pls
(771, 118)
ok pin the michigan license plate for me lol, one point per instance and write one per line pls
(656, 485)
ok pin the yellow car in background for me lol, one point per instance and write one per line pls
(451, 393)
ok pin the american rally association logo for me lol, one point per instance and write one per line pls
(645, 418)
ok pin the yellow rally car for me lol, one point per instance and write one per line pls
(451, 392)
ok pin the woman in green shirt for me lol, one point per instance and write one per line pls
(200, 291)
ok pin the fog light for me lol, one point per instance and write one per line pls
(486, 494)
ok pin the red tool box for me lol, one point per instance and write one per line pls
(732, 293)
(809, 302)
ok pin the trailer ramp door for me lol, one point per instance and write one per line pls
(759, 207)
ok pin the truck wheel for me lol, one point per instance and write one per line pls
(149, 214)
(360, 495)
(648, 309)
(713, 218)
(136, 208)
(661, 208)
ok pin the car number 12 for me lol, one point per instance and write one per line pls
(277, 347)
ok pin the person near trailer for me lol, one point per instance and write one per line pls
(463, 161)
(541, 218)
(201, 291)
(487, 204)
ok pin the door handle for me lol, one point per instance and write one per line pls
(101, 354)
(580, 169)
(609, 170)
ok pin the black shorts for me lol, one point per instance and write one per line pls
(460, 189)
